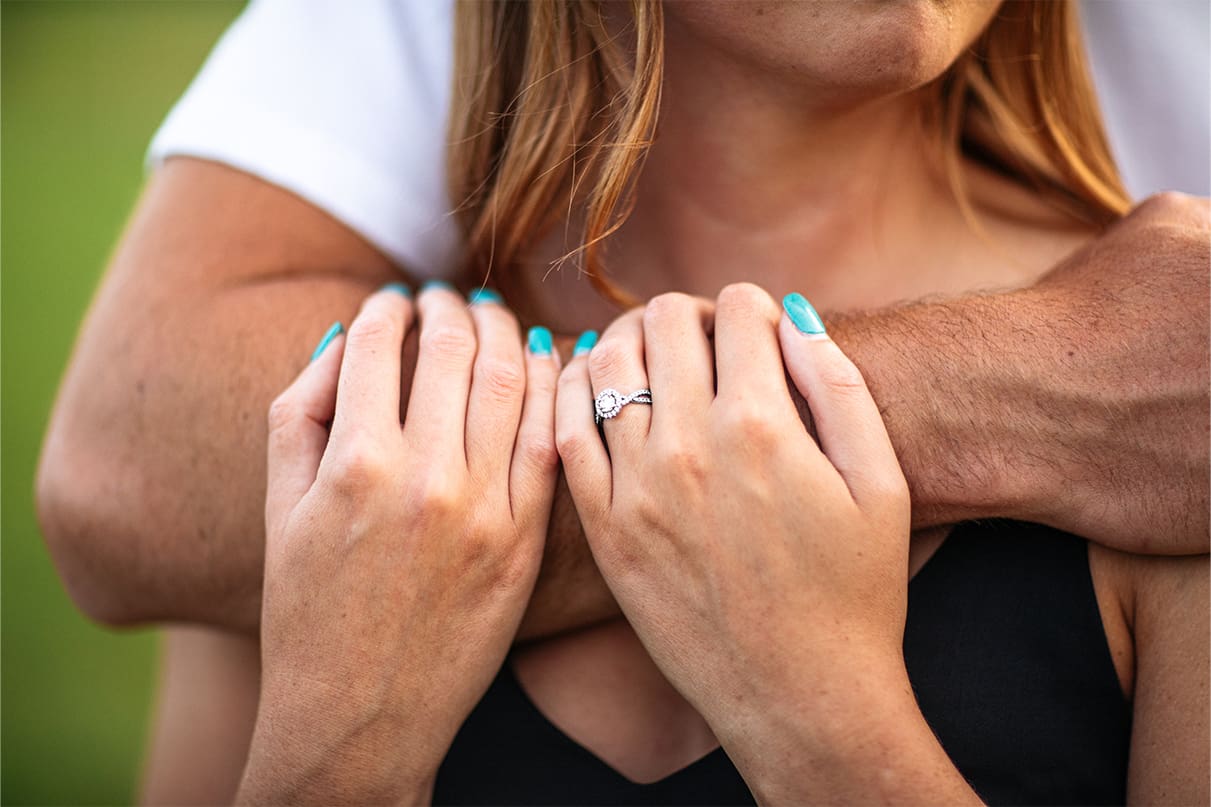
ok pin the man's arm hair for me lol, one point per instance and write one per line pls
(151, 486)
(1081, 402)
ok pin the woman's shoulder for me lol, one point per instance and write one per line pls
(1146, 585)
(1157, 587)
(1152, 605)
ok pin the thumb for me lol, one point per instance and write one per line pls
(298, 429)
(849, 427)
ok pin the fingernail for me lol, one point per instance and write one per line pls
(398, 288)
(333, 332)
(436, 284)
(484, 296)
(585, 343)
(539, 341)
(802, 314)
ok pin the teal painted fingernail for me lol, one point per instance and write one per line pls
(398, 288)
(585, 343)
(333, 332)
(539, 341)
(484, 296)
(436, 284)
(802, 314)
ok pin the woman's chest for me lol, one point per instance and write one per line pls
(1004, 644)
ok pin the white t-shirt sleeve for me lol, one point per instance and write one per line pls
(344, 104)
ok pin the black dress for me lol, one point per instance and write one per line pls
(1006, 653)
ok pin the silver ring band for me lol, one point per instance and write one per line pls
(609, 402)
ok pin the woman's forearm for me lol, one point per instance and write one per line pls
(863, 742)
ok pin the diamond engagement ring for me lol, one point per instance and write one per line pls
(609, 402)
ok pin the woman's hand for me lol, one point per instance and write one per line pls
(766, 574)
(399, 559)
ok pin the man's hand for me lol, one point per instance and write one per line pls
(1081, 402)
(1135, 461)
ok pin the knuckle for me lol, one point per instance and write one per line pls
(881, 480)
(842, 377)
(571, 444)
(683, 459)
(568, 379)
(359, 467)
(895, 487)
(541, 379)
(664, 307)
(500, 378)
(284, 412)
(1165, 202)
(609, 358)
(1175, 208)
(747, 424)
(891, 490)
(437, 496)
(538, 452)
(373, 326)
(449, 342)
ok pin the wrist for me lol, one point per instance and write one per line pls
(958, 386)
(859, 737)
(304, 754)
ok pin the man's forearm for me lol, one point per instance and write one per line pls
(1081, 402)
(959, 409)
(153, 482)
(151, 485)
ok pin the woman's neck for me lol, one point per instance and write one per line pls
(751, 168)
(723, 188)
(752, 177)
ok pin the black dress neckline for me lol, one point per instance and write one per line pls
(1007, 656)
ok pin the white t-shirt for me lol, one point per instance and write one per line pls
(346, 104)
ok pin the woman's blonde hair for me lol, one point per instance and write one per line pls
(553, 109)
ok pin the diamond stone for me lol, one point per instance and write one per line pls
(609, 403)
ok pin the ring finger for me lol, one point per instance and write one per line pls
(617, 364)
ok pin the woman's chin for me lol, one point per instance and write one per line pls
(867, 48)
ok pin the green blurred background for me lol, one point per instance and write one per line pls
(83, 85)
